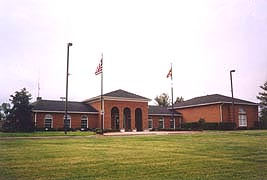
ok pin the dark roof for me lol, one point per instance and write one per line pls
(211, 99)
(124, 94)
(159, 110)
(59, 106)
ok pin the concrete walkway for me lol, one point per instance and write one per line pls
(149, 133)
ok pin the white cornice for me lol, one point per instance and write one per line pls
(219, 102)
(97, 98)
(69, 112)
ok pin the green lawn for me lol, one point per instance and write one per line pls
(46, 134)
(206, 155)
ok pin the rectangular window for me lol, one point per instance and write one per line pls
(68, 123)
(161, 123)
(83, 123)
(242, 120)
(150, 123)
(48, 123)
(171, 123)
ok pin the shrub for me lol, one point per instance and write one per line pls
(211, 126)
(226, 126)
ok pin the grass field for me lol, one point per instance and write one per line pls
(47, 134)
(206, 155)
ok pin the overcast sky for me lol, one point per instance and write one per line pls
(139, 39)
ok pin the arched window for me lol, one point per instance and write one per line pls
(84, 122)
(48, 121)
(115, 122)
(68, 121)
(242, 117)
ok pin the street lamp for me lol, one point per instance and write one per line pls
(233, 108)
(67, 83)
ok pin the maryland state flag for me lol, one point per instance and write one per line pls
(169, 73)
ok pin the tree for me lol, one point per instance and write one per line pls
(4, 111)
(263, 105)
(163, 100)
(179, 99)
(20, 117)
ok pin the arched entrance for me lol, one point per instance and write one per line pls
(115, 122)
(127, 119)
(138, 119)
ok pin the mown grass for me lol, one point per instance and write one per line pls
(46, 134)
(206, 155)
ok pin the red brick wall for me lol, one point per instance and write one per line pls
(251, 112)
(121, 105)
(212, 113)
(58, 121)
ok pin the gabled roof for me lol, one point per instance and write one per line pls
(59, 106)
(119, 94)
(211, 99)
(161, 111)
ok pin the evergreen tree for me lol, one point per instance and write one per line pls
(20, 117)
(263, 105)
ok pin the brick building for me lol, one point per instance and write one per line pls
(218, 108)
(128, 111)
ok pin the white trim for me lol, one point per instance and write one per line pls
(84, 119)
(67, 119)
(162, 119)
(48, 118)
(96, 99)
(69, 112)
(212, 103)
(221, 113)
(35, 119)
(150, 119)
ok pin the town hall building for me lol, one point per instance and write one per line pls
(126, 111)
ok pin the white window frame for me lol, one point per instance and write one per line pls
(161, 119)
(242, 118)
(68, 119)
(172, 121)
(48, 117)
(83, 118)
(150, 120)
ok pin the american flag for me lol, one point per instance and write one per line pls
(99, 67)
(169, 73)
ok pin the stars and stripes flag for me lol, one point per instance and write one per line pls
(169, 73)
(99, 68)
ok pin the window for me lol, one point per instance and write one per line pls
(84, 122)
(48, 121)
(172, 123)
(150, 122)
(161, 123)
(242, 117)
(68, 121)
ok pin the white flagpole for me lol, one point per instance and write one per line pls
(102, 105)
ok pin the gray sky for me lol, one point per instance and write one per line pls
(139, 39)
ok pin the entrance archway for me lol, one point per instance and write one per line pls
(127, 119)
(115, 122)
(138, 119)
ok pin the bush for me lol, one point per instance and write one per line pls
(211, 126)
(226, 126)
(191, 126)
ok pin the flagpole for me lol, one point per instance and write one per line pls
(102, 111)
(172, 98)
